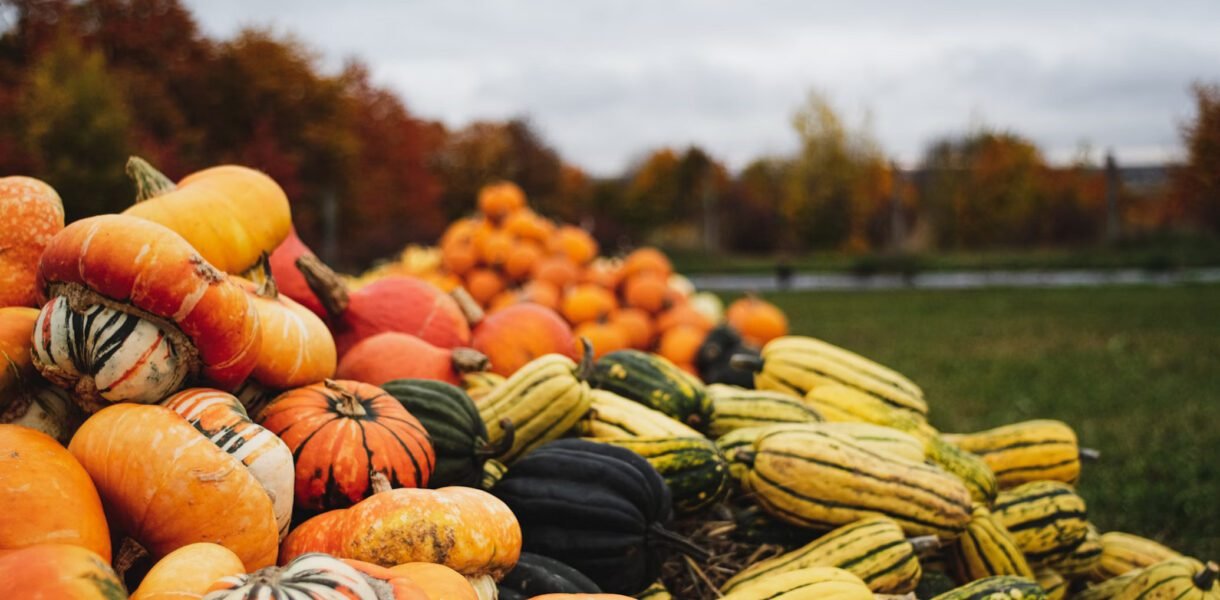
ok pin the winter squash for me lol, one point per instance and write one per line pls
(222, 419)
(500, 199)
(758, 321)
(606, 337)
(587, 302)
(603, 272)
(460, 231)
(478, 385)
(59, 572)
(637, 324)
(484, 284)
(535, 575)
(559, 271)
(495, 249)
(42, 407)
(646, 291)
(317, 576)
(165, 485)
(521, 260)
(683, 314)
(30, 213)
(46, 496)
(647, 260)
(513, 336)
(438, 581)
(230, 214)
(297, 348)
(152, 314)
(395, 303)
(574, 243)
(680, 344)
(400, 587)
(715, 354)
(392, 355)
(188, 572)
(289, 280)
(465, 529)
(340, 432)
(459, 259)
(525, 224)
(542, 293)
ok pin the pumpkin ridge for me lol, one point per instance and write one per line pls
(403, 445)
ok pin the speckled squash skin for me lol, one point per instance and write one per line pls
(30, 213)
(59, 571)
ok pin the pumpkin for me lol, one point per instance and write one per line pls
(683, 314)
(758, 321)
(188, 572)
(30, 213)
(460, 231)
(465, 529)
(396, 303)
(542, 293)
(297, 348)
(392, 355)
(58, 572)
(165, 485)
(340, 432)
(289, 280)
(438, 581)
(500, 199)
(527, 225)
(604, 336)
(46, 496)
(647, 291)
(513, 336)
(317, 576)
(647, 260)
(223, 420)
(680, 345)
(483, 285)
(603, 272)
(400, 586)
(16, 329)
(559, 271)
(638, 326)
(521, 260)
(494, 250)
(574, 243)
(134, 311)
(230, 214)
(459, 259)
(709, 305)
(587, 302)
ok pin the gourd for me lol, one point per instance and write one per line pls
(713, 359)
(316, 576)
(987, 549)
(827, 583)
(656, 383)
(480, 383)
(1039, 450)
(734, 408)
(613, 416)
(288, 278)
(512, 337)
(543, 401)
(1047, 519)
(25, 398)
(30, 213)
(1177, 578)
(693, 469)
(536, 574)
(758, 321)
(1052, 582)
(1125, 552)
(1002, 587)
(392, 355)
(297, 349)
(437, 581)
(58, 571)
(188, 572)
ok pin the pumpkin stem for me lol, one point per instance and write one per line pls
(1206, 578)
(677, 542)
(150, 182)
(469, 360)
(325, 283)
(260, 274)
(924, 545)
(503, 445)
(1090, 454)
(745, 457)
(130, 551)
(379, 482)
(585, 371)
(746, 362)
(349, 405)
(469, 306)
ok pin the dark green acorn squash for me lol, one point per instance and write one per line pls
(714, 354)
(655, 382)
(600, 508)
(536, 574)
(458, 434)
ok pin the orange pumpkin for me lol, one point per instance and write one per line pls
(504, 300)
(310, 575)
(483, 285)
(587, 302)
(340, 433)
(438, 581)
(188, 572)
(459, 259)
(680, 343)
(515, 335)
(46, 496)
(58, 572)
(230, 214)
(392, 355)
(521, 260)
(757, 320)
(500, 199)
(638, 326)
(30, 213)
(288, 278)
(459, 232)
(296, 348)
(401, 586)
(165, 485)
(646, 291)
(16, 365)
(525, 224)
(603, 272)
(606, 337)
(684, 314)
(647, 260)
(559, 271)
(542, 293)
(496, 248)
(316, 534)
(574, 243)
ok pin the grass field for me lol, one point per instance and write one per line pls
(1135, 370)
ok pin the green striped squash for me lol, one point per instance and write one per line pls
(694, 470)
(736, 408)
(1047, 518)
(542, 401)
(655, 382)
(1003, 587)
(987, 549)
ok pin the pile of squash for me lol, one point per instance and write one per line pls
(192, 405)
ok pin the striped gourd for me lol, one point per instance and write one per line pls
(1107, 589)
(882, 440)
(1083, 559)
(821, 479)
(1055, 586)
(967, 467)
(1002, 587)
(736, 408)
(493, 472)
(694, 470)
(655, 382)
(222, 419)
(986, 549)
(796, 365)
(543, 400)
(656, 591)
(824, 583)
(480, 383)
(874, 549)
(613, 416)
(1039, 450)
(1124, 552)
(1047, 518)
(1177, 579)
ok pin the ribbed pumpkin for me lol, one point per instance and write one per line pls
(188, 572)
(395, 303)
(458, 434)
(340, 433)
(151, 311)
(165, 485)
(30, 213)
(297, 348)
(316, 576)
(513, 336)
(46, 496)
(58, 572)
(392, 355)
(230, 214)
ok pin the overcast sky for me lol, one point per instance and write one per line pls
(605, 81)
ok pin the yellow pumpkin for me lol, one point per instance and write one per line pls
(188, 572)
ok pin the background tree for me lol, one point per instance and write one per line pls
(1196, 185)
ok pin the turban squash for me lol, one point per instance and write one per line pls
(319, 576)
(25, 398)
(134, 311)
(30, 213)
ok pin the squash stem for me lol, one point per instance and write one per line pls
(150, 182)
(378, 482)
(503, 445)
(677, 542)
(469, 360)
(326, 284)
(470, 307)
(1090, 454)
(129, 552)
(585, 371)
(260, 274)
(746, 362)
(924, 545)
(349, 405)
(1206, 578)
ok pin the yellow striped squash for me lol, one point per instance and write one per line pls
(1125, 552)
(613, 416)
(1002, 587)
(823, 583)
(736, 408)
(1055, 586)
(986, 549)
(543, 400)
(1047, 518)
(1038, 450)
(1176, 579)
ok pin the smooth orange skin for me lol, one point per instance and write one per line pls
(498, 200)
(316, 534)
(587, 302)
(46, 496)
(460, 231)
(680, 344)
(646, 291)
(604, 273)
(496, 248)
(405, 588)
(30, 213)
(392, 355)
(16, 329)
(605, 337)
(188, 572)
(638, 325)
(459, 259)
(57, 572)
(521, 260)
(683, 314)
(288, 277)
(558, 271)
(296, 349)
(230, 214)
(438, 581)
(647, 260)
(154, 269)
(525, 224)
(541, 293)
(757, 320)
(575, 243)
(515, 335)
(192, 492)
(483, 285)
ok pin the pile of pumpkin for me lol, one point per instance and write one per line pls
(195, 406)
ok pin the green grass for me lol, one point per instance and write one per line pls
(1136, 371)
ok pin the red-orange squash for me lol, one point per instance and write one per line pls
(149, 312)
(297, 348)
(340, 433)
(515, 335)
(392, 355)
(484, 284)
(230, 214)
(58, 572)
(288, 278)
(46, 496)
(188, 572)
(166, 486)
(438, 581)
(30, 213)
(605, 337)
